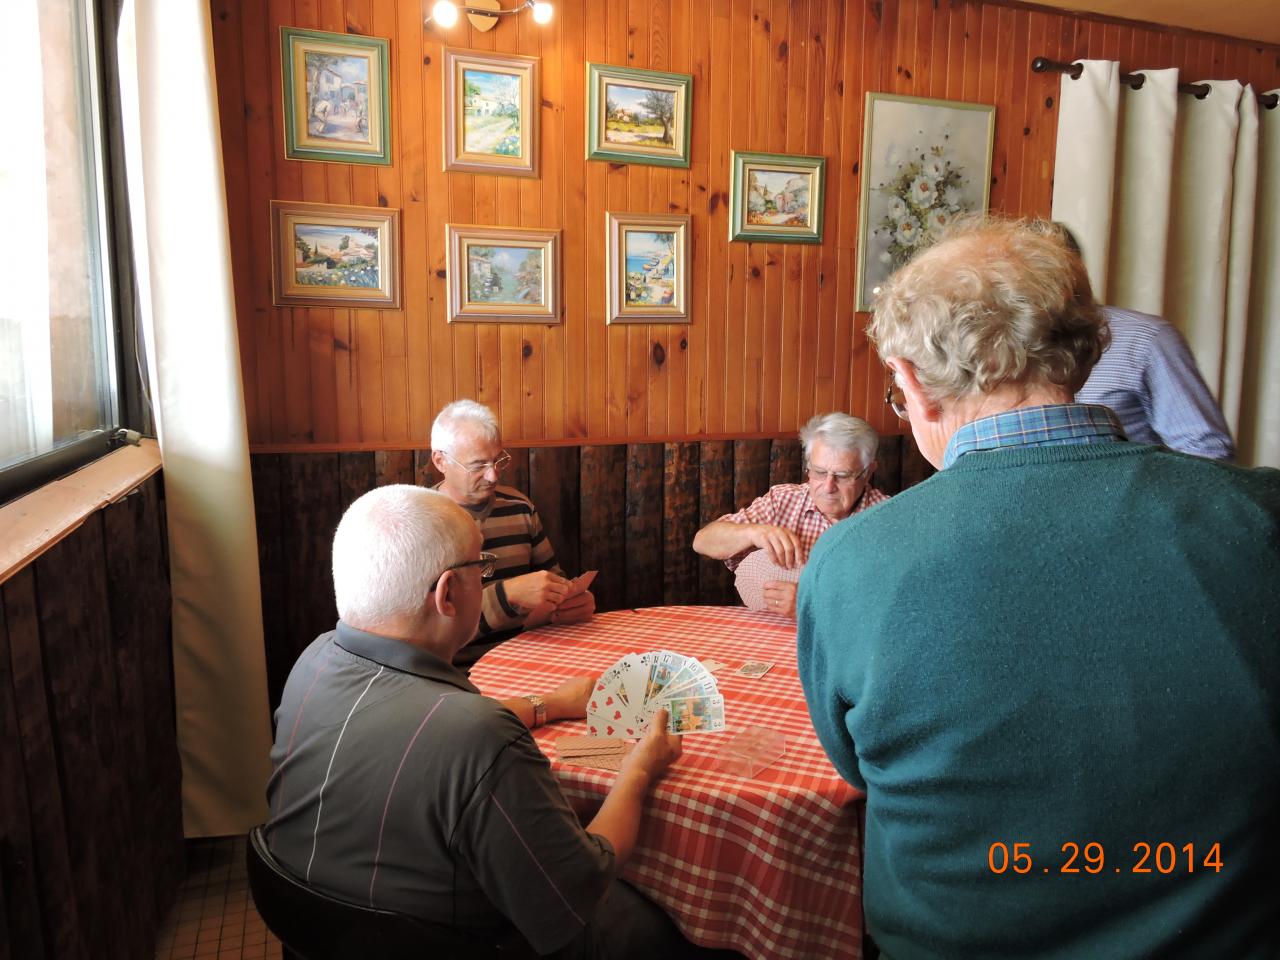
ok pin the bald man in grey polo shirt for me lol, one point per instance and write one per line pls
(397, 784)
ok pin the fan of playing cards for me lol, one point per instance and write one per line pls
(630, 692)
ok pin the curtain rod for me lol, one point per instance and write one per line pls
(1136, 80)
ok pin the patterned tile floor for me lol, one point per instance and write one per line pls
(214, 917)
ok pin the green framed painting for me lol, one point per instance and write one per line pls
(776, 197)
(648, 258)
(334, 255)
(490, 113)
(336, 102)
(502, 274)
(638, 116)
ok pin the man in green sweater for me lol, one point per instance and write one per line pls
(1054, 666)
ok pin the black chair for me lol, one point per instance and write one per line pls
(315, 926)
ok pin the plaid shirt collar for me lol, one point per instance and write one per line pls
(1058, 424)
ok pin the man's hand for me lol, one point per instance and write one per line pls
(531, 589)
(780, 597)
(651, 757)
(577, 609)
(782, 545)
(569, 700)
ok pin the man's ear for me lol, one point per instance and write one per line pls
(443, 595)
(437, 458)
(922, 402)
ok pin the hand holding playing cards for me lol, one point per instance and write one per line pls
(577, 609)
(782, 545)
(654, 754)
(780, 597)
(532, 589)
(569, 700)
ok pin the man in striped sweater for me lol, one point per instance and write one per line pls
(528, 587)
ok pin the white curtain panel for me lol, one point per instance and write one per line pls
(1181, 221)
(184, 269)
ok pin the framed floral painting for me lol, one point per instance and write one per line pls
(331, 255)
(924, 162)
(335, 97)
(648, 257)
(503, 274)
(490, 113)
(638, 116)
(776, 197)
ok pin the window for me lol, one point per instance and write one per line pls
(59, 390)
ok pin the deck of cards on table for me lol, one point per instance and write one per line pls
(629, 693)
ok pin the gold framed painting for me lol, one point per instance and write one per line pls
(924, 162)
(336, 101)
(638, 116)
(491, 106)
(332, 255)
(503, 274)
(648, 262)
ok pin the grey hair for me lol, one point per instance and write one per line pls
(390, 548)
(456, 415)
(842, 432)
(995, 301)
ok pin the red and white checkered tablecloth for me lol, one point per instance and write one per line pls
(771, 866)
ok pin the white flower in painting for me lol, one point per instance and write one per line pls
(938, 220)
(897, 208)
(951, 197)
(935, 167)
(923, 192)
(886, 257)
(908, 232)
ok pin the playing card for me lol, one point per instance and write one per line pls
(695, 714)
(702, 687)
(607, 713)
(582, 746)
(714, 666)
(601, 761)
(661, 672)
(754, 669)
(755, 570)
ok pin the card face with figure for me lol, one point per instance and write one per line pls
(629, 694)
(695, 715)
(755, 669)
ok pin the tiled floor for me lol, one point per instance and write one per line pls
(214, 918)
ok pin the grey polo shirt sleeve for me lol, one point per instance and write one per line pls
(527, 851)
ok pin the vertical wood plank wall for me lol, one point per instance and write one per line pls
(91, 848)
(773, 337)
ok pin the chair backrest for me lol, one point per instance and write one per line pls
(316, 926)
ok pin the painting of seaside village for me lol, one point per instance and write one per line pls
(491, 105)
(328, 255)
(337, 96)
(650, 259)
(506, 275)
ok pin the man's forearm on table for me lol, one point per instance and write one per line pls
(619, 818)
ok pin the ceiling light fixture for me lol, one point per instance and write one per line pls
(484, 14)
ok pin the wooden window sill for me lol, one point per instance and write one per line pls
(34, 523)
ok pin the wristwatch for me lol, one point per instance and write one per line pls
(539, 709)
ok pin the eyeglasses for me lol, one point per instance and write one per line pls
(487, 563)
(895, 398)
(481, 466)
(839, 476)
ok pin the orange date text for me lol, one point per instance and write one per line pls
(1091, 857)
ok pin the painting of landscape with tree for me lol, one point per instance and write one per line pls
(638, 116)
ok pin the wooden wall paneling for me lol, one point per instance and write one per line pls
(357, 475)
(20, 932)
(267, 471)
(602, 536)
(60, 908)
(81, 679)
(425, 473)
(750, 471)
(680, 521)
(554, 474)
(914, 466)
(393, 466)
(715, 499)
(786, 462)
(548, 339)
(644, 525)
(888, 473)
(519, 469)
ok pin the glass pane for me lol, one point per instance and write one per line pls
(56, 381)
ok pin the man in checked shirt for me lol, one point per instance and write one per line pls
(840, 459)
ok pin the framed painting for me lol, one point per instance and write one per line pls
(924, 162)
(329, 255)
(503, 274)
(491, 113)
(336, 105)
(776, 197)
(638, 116)
(648, 262)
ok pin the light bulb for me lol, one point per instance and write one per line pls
(444, 13)
(542, 12)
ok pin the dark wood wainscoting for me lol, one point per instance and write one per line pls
(90, 782)
(627, 510)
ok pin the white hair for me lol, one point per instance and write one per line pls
(841, 432)
(460, 414)
(390, 548)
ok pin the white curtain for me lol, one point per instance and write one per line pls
(184, 277)
(1174, 202)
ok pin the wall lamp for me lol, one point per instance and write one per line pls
(484, 14)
